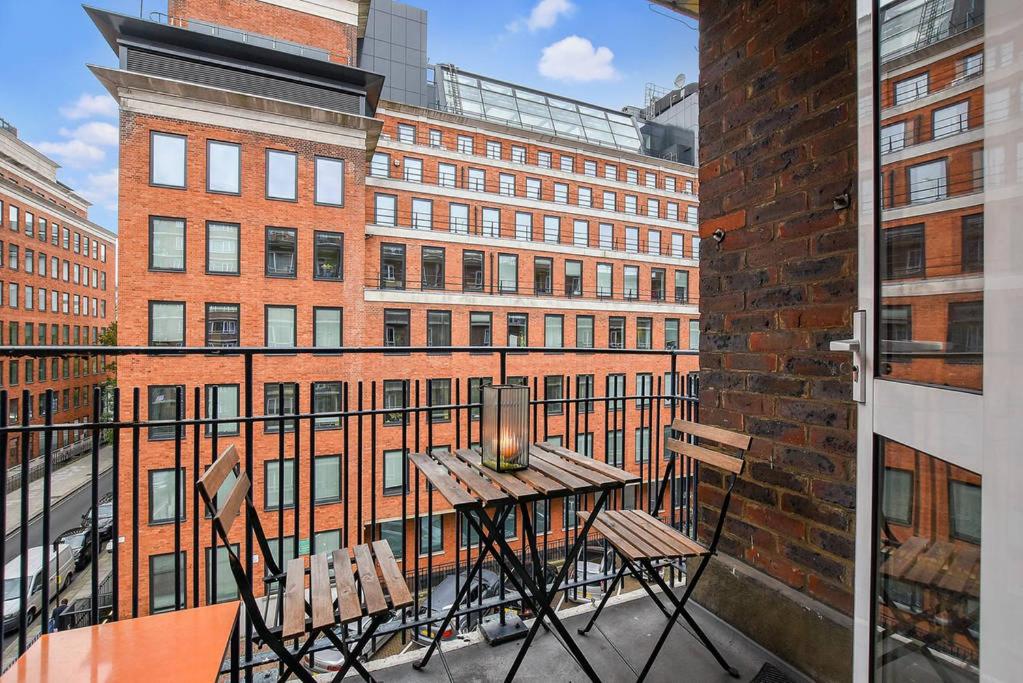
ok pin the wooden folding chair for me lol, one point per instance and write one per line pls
(330, 604)
(645, 544)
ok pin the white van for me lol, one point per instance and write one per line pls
(62, 569)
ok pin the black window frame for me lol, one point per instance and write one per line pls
(289, 463)
(182, 582)
(340, 277)
(266, 173)
(482, 271)
(320, 424)
(408, 326)
(890, 237)
(400, 280)
(183, 509)
(446, 314)
(209, 143)
(490, 328)
(206, 323)
(972, 230)
(271, 426)
(238, 240)
(977, 318)
(229, 431)
(184, 321)
(443, 267)
(593, 331)
(525, 327)
(184, 160)
(294, 324)
(316, 178)
(341, 323)
(266, 253)
(184, 244)
(166, 432)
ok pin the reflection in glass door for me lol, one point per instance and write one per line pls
(931, 241)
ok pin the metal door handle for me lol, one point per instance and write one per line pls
(856, 346)
(846, 345)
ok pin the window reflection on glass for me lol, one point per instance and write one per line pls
(931, 240)
(928, 568)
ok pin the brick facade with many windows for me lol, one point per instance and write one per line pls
(57, 287)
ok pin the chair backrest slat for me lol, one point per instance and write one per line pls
(232, 507)
(712, 433)
(715, 458)
(214, 477)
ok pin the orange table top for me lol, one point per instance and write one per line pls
(188, 645)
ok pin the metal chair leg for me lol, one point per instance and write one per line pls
(352, 658)
(603, 601)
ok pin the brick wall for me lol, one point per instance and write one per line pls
(778, 142)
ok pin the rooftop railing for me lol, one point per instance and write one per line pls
(341, 436)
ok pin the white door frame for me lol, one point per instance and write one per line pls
(982, 433)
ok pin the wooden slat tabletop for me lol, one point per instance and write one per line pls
(565, 465)
(442, 481)
(604, 468)
(479, 486)
(372, 593)
(322, 602)
(572, 483)
(347, 592)
(512, 485)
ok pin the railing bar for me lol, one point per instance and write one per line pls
(346, 467)
(44, 622)
(312, 475)
(196, 398)
(136, 419)
(115, 478)
(178, 401)
(94, 609)
(373, 462)
(280, 475)
(358, 466)
(211, 566)
(296, 466)
(4, 442)
(23, 529)
(249, 453)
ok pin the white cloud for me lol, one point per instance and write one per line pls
(73, 153)
(88, 106)
(100, 189)
(543, 15)
(96, 133)
(576, 59)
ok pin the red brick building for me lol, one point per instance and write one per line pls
(297, 208)
(58, 282)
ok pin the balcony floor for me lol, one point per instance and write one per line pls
(617, 646)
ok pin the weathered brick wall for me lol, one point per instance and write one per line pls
(777, 143)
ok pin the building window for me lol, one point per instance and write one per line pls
(610, 172)
(476, 385)
(394, 399)
(458, 218)
(446, 175)
(590, 168)
(281, 175)
(951, 120)
(543, 275)
(691, 214)
(280, 326)
(605, 280)
(431, 534)
(223, 325)
(553, 331)
(435, 138)
(893, 137)
(327, 327)
(696, 248)
(903, 251)
(518, 330)
(161, 407)
(631, 282)
(632, 176)
(581, 233)
(973, 243)
(464, 144)
(472, 271)
(166, 244)
(616, 333)
(694, 335)
(396, 327)
(328, 256)
(491, 222)
(608, 201)
(553, 394)
(281, 248)
(518, 154)
(479, 329)
(533, 188)
(329, 181)
(385, 209)
(222, 248)
(438, 328)
(669, 183)
(225, 396)
(964, 510)
(506, 184)
(671, 211)
(432, 270)
(166, 161)
(630, 204)
(644, 332)
(440, 395)
(422, 214)
(681, 286)
(928, 182)
(161, 496)
(541, 516)
(573, 278)
(561, 193)
(406, 133)
(551, 229)
(965, 331)
(653, 242)
(671, 333)
(328, 479)
(614, 446)
(911, 88)
(277, 489)
(223, 167)
(273, 405)
(166, 323)
(585, 197)
(493, 149)
(162, 591)
(643, 444)
(584, 331)
(507, 273)
(226, 589)
(327, 399)
(523, 226)
(606, 238)
(657, 284)
(392, 266)
(413, 170)
(394, 474)
(543, 159)
(380, 166)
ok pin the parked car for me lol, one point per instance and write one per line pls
(106, 519)
(331, 659)
(80, 543)
(443, 595)
(62, 570)
(593, 560)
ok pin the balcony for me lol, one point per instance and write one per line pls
(193, 402)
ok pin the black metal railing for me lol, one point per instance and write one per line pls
(337, 403)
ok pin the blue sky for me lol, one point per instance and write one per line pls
(601, 51)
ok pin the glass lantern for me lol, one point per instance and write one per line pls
(505, 427)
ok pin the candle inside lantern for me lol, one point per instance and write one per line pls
(505, 428)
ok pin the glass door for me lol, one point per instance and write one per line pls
(937, 353)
